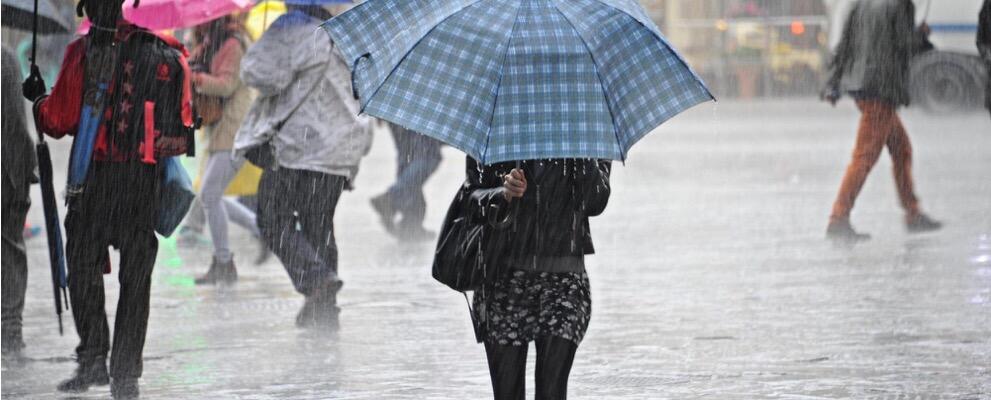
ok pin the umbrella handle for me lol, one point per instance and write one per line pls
(34, 35)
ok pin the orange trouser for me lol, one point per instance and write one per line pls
(879, 126)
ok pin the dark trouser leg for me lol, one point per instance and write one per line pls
(137, 253)
(507, 368)
(280, 197)
(86, 251)
(16, 202)
(417, 158)
(554, 359)
(317, 218)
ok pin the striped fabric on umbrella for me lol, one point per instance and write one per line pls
(517, 79)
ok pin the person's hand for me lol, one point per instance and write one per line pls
(513, 184)
(830, 95)
(34, 86)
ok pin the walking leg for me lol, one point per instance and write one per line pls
(900, 149)
(15, 265)
(507, 368)
(875, 126)
(220, 170)
(87, 256)
(137, 260)
(554, 359)
(277, 221)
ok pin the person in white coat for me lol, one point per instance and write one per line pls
(307, 118)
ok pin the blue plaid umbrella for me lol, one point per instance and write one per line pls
(510, 80)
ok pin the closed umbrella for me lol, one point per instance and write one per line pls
(41, 17)
(56, 252)
(510, 80)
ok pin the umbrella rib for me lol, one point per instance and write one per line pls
(602, 86)
(495, 101)
(395, 67)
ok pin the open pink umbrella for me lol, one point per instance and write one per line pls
(172, 14)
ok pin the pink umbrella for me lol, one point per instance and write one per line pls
(171, 14)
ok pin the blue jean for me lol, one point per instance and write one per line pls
(212, 207)
(417, 157)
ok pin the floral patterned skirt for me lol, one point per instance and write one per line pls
(524, 305)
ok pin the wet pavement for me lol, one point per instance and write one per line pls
(712, 280)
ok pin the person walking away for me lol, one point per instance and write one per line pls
(219, 92)
(417, 157)
(984, 46)
(306, 114)
(148, 117)
(542, 293)
(18, 173)
(872, 66)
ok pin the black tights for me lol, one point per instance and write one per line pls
(507, 366)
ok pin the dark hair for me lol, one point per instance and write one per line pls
(103, 16)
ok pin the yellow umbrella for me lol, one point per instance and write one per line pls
(261, 17)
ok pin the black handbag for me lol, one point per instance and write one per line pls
(468, 253)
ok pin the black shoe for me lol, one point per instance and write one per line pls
(320, 308)
(842, 231)
(225, 273)
(921, 223)
(87, 374)
(387, 213)
(124, 388)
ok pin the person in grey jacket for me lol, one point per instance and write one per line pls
(872, 66)
(18, 174)
(306, 112)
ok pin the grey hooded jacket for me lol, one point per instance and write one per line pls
(305, 104)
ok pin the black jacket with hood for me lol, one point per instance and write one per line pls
(551, 219)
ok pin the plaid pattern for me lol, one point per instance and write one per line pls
(510, 80)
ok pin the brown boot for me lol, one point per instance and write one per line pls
(219, 272)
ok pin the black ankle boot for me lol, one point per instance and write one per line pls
(89, 373)
(320, 309)
(124, 388)
(219, 272)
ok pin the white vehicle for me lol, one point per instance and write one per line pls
(952, 76)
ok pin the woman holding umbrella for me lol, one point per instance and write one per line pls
(538, 93)
(542, 294)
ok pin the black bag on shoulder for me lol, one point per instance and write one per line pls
(468, 252)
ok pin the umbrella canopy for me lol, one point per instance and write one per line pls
(173, 14)
(19, 14)
(517, 79)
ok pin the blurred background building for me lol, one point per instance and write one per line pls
(750, 48)
(762, 48)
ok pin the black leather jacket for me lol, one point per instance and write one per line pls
(551, 219)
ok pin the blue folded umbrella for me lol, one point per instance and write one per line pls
(517, 79)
